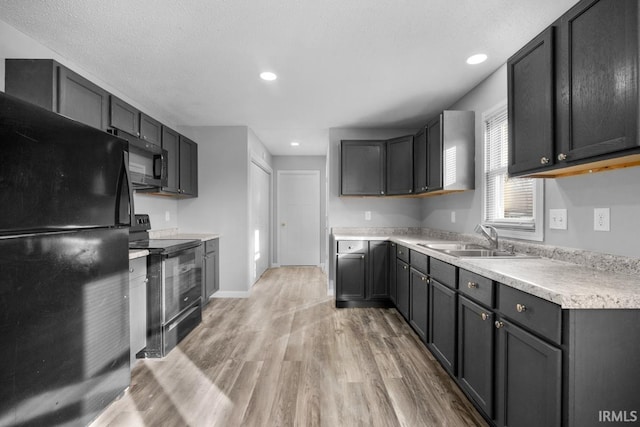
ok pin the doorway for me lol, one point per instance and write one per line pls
(260, 220)
(298, 217)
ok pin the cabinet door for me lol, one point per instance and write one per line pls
(476, 353)
(529, 375)
(82, 100)
(434, 155)
(402, 283)
(150, 129)
(350, 277)
(171, 143)
(530, 77)
(400, 165)
(419, 289)
(420, 162)
(363, 165)
(123, 116)
(442, 324)
(392, 273)
(599, 78)
(378, 270)
(210, 274)
(188, 167)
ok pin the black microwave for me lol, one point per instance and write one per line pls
(147, 162)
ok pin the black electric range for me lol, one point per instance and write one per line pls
(174, 287)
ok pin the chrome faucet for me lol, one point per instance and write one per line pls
(490, 233)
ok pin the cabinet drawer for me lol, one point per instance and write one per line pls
(444, 272)
(352, 246)
(476, 287)
(137, 267)
(539, 315)
(402, 253)
(211, 245)
(419, 261)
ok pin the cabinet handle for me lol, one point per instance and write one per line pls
(410, 190)
(144, 137)
(484, 316)
(520, 308)
(544, 160)
(382, 192)
(424, 279)
(399, 252)
(146, 280)
(361, 256)
(186, 299)
(498, 324)
(131, 270)
(562, 156)
(404, 267)
(472, 285)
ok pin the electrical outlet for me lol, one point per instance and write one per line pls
(367, 215)
(601, 219)
(558, 219)
(453, 216)
(167, 216)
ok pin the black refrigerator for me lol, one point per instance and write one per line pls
(65, 209)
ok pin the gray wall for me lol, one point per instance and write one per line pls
(349, 211)
(222, 205)
(617, 190)
(281, 163)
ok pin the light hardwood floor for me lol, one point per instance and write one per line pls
(286, 356)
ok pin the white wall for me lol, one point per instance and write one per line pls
(349, 211)
(617, 190)
(15, 44)
(302, 163)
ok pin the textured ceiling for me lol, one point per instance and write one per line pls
(340, 63)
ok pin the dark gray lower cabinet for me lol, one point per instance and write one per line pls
(211, 269)
(402, 287)
(378, 270)
(350, 277)
(419, 296)
(476, 353)
(529, 379)
(442, 325)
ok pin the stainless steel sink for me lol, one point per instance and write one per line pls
(485, 253)
(453, 246)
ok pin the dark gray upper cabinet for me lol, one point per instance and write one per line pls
(188, 167)
(47, 83)
(420, 162)
(150, 129)
(573, 93)
(363, 166)
(531, 105)
(434, 155)
(400, 165)
(123, 116)
(171, 143)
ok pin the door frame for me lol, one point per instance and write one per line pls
(267, 169)
(314, 172)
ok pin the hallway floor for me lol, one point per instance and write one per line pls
(286, 356)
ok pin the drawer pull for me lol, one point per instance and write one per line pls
(562, 157)
(498, 324)
(424, 279)
(484, 316)
(544, 161)
(472, 285)
(521, 308)
(399, 252)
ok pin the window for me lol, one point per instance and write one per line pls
(512, 205)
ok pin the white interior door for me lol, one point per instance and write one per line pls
(299, 217)
(260, 219)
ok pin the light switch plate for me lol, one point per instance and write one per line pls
(167, 216)
(453, 216)
(601, 219)
(558, 219)
(367, 215)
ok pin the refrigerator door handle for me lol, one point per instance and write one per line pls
(129, 187)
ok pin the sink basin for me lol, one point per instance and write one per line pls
(453, 246)
(485, 253)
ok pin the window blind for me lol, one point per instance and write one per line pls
(509, 202)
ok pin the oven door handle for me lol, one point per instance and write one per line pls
(183, 316)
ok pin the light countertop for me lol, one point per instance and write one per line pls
(137, 253)
(572, 286)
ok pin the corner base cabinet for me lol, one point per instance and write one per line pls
(362, 273)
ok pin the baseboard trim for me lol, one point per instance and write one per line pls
(231, 294)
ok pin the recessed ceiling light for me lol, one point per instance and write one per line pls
(268, 76)
(476, 59)
(295, 143)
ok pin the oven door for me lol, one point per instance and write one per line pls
(181, 281)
